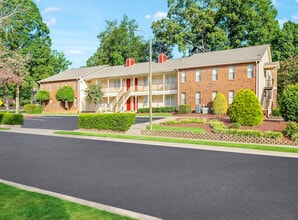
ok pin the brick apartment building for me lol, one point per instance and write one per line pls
(193, 80)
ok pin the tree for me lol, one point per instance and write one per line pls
(24, 31)
(65, 94)
(94, 94)
(208, 25)
(42, 96)
(246, 109)
(287, 74)
(289, 103)
(191, 26)
(117, 43)
(285, 43)
(219, 105)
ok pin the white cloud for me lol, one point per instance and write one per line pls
(148, 16)
(275, 3)
(50, 9)
(52, 21)
(38, 1)
(295, 17)
(159, 15)
(75, 52)
(296, 1)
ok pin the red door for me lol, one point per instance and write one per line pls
(127, 84)
(128, 104)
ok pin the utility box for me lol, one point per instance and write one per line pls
(205, 110)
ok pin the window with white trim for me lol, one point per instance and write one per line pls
(146, 101)
(117, 83)
(231, 72)
(198, 75)
(198, 98)
(214, 94)
(250, 71)
(183, 76)
(183, 98)
(214, 74)
(170, 100)
(231, 96)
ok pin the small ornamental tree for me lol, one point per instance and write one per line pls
(42, 96)
(94, 94)
(288, 103)
(65, 94)
(219, 105)
(246, 109)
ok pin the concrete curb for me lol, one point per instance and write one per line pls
(95, 205)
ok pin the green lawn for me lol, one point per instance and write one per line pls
(20, 204)
(159, 127)
(4, 129)
(186, 141)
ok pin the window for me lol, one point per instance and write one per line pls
(250, 71)
(146, 81)
(66, 84)
(146, 101)
(214, 94)
(231, 97)
(117, 83)
(198, 75)
(183, 79)
(214, 74)
(231, 72)
(75, 85)
(42, 86)
(198, 98)
(170, 100)
(58, 86)
(170, 79)
(59, 104)
(183, 98)
(51, 103)
(75, 103)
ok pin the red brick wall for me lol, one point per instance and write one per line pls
(206, 86)
(54, 107)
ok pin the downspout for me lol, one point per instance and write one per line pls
(258, 81)
(178, 88)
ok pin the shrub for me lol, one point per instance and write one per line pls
(113, 121)
(11, 119)
(42, 95)
(234, 125)
(168, 109)
(32, 109)
(272, 134)
(276, 112)
(192, 120)
(219, 105)
(216, 125)
(184, 109)
(291, 129)
(295, 137)
(289, 103)
(246, 109)
(65, 93)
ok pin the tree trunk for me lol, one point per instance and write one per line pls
(17, 99)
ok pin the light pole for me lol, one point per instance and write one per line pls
(150, 79)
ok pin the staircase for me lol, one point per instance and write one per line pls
(267, 98)
(120, 99)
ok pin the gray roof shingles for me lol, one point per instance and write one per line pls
(223, 57)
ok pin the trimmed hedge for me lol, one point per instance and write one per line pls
(32, 109)
(108, 121)
(184, 109)
(11, 119)
(291, 130)
(157, 110)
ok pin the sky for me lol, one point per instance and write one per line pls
(75, 24)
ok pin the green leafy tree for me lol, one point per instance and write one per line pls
(94, 94)
(289, 103)
(204, 25)
(65, 94)
(23, 30)
(42, 96)
(118, 42)
(285, 43)
(219, 105)
(287, 74)
(246, 109)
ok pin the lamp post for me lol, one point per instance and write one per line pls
(150, 79)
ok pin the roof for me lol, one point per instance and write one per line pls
(214, 58)
(72, 74)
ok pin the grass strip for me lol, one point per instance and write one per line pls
(4, 129)
(159, 127)
(186, 141)
(21, 204)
